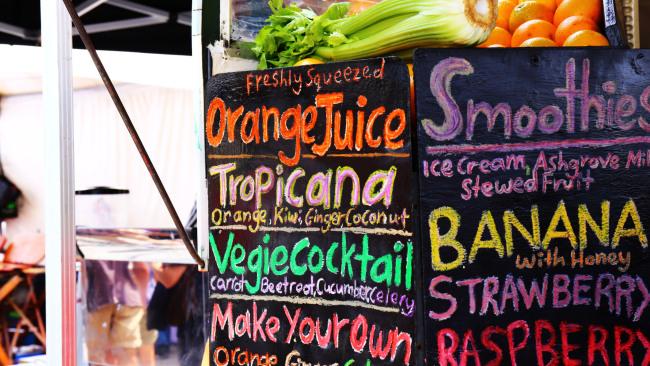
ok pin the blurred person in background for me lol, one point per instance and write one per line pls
(116, 311)
(178, 301)
(146, 353)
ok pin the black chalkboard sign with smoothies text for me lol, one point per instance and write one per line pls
(534, 168)
(311, 191)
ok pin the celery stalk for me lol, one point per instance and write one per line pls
(381, 11)
(443, 23)
(379, 26)
(292, 34)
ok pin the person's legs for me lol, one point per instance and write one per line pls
(125, 335)
(98, 326)
(163, 342)
(125, 356)
(147, 353)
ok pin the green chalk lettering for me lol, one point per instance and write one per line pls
(318, 265)
(364, 257)
(409, 265)
(279, 259)
(222, 262)
(330, 258)
(299, 269)
(346, 257)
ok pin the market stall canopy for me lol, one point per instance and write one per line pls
(158, 26)
(120, 25)
(21, 69)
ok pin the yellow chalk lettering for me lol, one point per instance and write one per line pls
(511, 221)
(447, 240)
(585, 219)
(552, 232)
(493, 243)
(621, 232)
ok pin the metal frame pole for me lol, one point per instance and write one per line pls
(197, 73)
(90, 47)
(59, 169)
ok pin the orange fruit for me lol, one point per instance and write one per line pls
(586, 38)
(505, 9)
(571, 25)
(549, 3)
(496, 45)
(558, 2)
(538, 42)
(531, 29)
(498, 36)
(529, 10)
(357, 6)
(592, 9)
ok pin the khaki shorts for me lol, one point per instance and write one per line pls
(149, 336)
(117, 326)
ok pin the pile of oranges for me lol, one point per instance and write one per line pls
(548, 23)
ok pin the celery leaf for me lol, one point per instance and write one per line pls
(292, 34)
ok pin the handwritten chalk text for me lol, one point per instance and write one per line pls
(622, 112)
(560, 228)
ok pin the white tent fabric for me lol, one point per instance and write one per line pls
(104, 153)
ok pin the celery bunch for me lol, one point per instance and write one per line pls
(292, 33)
(387, 27)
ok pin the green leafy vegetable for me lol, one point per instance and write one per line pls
(389, 27)
(292, 33)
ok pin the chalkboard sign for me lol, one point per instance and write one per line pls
(534, 167)
(310, 197)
